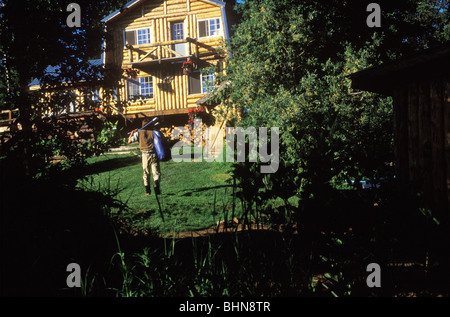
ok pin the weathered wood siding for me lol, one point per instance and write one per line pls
(422, 136)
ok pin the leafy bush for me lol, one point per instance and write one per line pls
(109, 136)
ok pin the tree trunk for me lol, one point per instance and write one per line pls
(25, 134)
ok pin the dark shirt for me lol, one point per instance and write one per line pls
(146, 141)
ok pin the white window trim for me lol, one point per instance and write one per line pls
(140, 92)
(201, 83)
(178, 22)
(95, 95)
(136, 35)
(153, 87)
(201, 93)
(209, 36)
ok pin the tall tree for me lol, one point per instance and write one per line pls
(287, 69)
(35, 35)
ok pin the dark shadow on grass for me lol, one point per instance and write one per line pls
(189, 192)
(108, 165)
(48, 225)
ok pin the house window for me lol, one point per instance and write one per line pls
(92, 98)
(137, 37)
(142, 88)
(195, 83)
(146, 86)
(114, 94)
(95, 95)
(72, 107)
(133, 89)
(178, 31)
(65, 102)
(209, 27)
(208, 82)
(201, 83)
(143, 36)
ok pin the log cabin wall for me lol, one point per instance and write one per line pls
(171, 93)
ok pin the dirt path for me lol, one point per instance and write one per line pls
(221, 227)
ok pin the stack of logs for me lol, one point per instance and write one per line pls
(80, 126)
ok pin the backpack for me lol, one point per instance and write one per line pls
(161, 146)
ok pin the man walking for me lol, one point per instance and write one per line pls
(149, 157)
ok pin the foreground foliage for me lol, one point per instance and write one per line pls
(306, 258)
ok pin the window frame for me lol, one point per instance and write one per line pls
(203, 88)
(136, 36)
(189, 83)
(140, 96)
(72, 107)
(208, 29)
(115, 94)
(172, 24)
(94, 95)
(150, 88)
(206, 89)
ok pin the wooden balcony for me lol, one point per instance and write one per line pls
(164, 52)
(11, 114)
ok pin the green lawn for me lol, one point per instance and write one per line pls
(194, 195)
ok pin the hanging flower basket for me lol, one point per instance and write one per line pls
(131, 73)
(195, 113)
(187, 67)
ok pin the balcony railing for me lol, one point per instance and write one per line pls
(166, 51)
(10, 115)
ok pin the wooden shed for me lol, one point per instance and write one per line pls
(420, 87)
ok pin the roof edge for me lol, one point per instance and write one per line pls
(134, 2)
(121, 10)
(383, 78)
(407, 60)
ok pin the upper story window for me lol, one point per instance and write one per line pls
(137, 37)
(143, 36)
(210, 27)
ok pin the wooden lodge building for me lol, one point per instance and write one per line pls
(170, 51)
(420, 87)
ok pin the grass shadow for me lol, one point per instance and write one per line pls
(109, 165)
(189, 192)
(55, 225)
